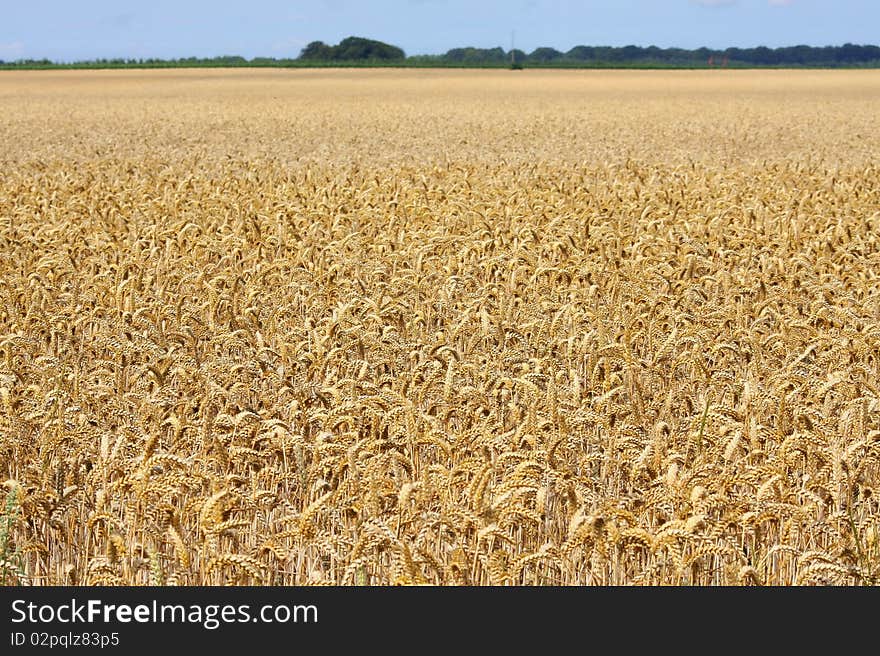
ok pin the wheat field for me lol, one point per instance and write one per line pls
(393, 327)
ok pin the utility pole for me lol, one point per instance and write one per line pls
(513, 65)
(512, 49)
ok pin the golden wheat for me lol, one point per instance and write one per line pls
(439, 327)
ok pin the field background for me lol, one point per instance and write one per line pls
(439, 326)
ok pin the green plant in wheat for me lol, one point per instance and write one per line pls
(10, 558)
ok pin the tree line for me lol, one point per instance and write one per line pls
(846, 55)
(354, 51)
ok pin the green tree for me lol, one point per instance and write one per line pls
(581, 53)
(317, 50)
(544, 55)
(357, 48)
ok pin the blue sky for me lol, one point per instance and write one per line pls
(67, 30)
